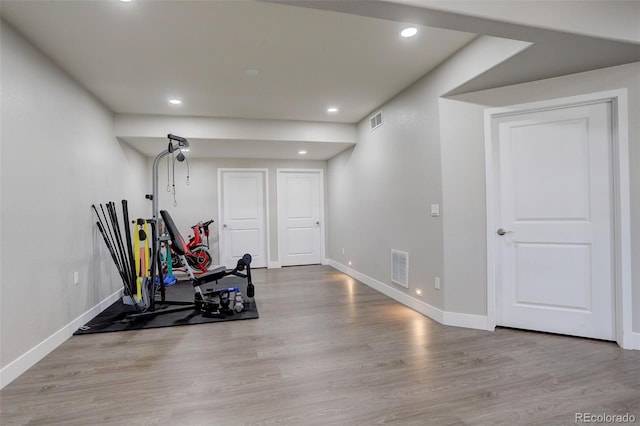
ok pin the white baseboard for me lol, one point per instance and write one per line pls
(635, 341)
(27, 360)
(455, 319)
(411, 302)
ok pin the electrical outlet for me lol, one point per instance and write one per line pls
(343, 250)
(76, 278)
(436, 283)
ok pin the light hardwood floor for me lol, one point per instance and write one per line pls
(326, 350)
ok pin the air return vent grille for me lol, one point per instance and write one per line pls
(375, 120)
(400, 268)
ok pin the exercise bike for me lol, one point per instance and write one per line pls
(200, 257)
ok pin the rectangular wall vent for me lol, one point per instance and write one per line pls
(376, 120)
(400, 268)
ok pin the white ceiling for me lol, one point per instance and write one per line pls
(134, 56)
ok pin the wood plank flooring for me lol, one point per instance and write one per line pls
(327, 350)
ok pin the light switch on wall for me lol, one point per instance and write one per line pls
(435, 210)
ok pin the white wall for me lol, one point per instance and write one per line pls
(380, 191)
(463, 213)
(198, 201)
(462, 140)
(59, 156)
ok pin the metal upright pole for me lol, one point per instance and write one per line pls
(154, 184)
(155, 263)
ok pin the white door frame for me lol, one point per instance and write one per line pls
(266, 205)
(322, 222)
(621, 202)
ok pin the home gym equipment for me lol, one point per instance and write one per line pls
(109, 226)
(140, 263)
(201, 259)
(141, 258)
(207, 301)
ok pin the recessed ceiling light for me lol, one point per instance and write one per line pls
(174, 101)
(409, 32)
(302, 152)
(332, 109)
(251, 72)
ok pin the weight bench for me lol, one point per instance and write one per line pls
(208, 302)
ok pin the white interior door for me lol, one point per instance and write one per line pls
(554, 249)
(243, 217)
(300, 224)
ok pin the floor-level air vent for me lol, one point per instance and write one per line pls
(400, 268)
(376, 120)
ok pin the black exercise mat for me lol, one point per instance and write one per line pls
(111, 319)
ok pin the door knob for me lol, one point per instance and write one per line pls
(318, 223)
(224, 226)
(502, 232)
